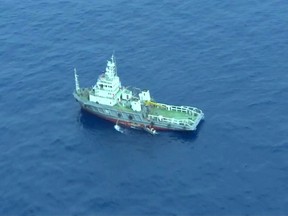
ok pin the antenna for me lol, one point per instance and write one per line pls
(114, 60)
(77, 87)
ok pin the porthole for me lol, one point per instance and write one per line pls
(119, 115)
(130, 117)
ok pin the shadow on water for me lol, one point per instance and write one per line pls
(92, 122)
(186, 136)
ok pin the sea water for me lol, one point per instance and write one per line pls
(228, 58)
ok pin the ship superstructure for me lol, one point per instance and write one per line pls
(133, 107)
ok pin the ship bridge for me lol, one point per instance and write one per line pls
(106, 90)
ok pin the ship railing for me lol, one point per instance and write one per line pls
(158, 118)
(185, 109)
(84, 92)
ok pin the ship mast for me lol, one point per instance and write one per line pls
(77, 87)
(111, 70)
(114, 61)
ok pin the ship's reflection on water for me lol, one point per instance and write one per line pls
(186, 136)
(92, 124)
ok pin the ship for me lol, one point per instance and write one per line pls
(132, 107)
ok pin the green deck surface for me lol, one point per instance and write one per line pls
(171, 113)
(122, 108)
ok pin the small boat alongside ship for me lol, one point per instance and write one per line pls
(132, 107)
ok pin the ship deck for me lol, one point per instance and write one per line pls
(171, 113)
(157, 110)
(122, 108)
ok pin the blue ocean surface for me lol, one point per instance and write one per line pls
(228, 58)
